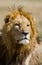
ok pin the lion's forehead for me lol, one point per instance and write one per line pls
(22, 19)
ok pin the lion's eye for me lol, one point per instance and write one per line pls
(28, 25)
(17, 26)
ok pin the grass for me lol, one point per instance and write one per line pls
(40, 33)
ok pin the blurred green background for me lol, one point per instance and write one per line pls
(32, 6)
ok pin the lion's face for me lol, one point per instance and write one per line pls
(20, 29)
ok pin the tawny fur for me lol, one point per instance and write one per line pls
(14, 51)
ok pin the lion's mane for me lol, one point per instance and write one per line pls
(8, 42)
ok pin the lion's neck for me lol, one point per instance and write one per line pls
(28, 59)
(21, 56)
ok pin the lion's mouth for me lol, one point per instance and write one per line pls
(23, 39)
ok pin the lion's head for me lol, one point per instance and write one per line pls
(19, 29)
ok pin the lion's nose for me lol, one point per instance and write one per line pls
(25, 33)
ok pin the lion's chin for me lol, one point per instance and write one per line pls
(24, 42)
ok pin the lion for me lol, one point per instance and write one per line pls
(19, 38)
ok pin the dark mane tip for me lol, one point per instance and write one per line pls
(38, 40)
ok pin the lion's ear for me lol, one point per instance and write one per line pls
(7, 19)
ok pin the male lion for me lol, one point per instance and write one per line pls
(19, 39)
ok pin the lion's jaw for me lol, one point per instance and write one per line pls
(21, 30)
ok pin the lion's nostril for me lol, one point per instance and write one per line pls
(25, 33)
